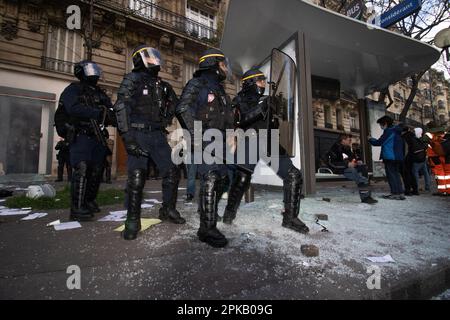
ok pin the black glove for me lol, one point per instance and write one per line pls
(134, 150)
(265, 104)
(133, 147)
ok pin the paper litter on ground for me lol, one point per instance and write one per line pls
(13, 212)
(115, 216)
(145, 224)
(67, 225)
(383, 259)
(53, 223)
(35, 215)
(146, 206)
(153, 201)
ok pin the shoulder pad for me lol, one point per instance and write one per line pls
(128, 85)
(190, 94)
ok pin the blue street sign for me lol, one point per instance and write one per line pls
(399, 12)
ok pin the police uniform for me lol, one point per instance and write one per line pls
(87, 107)
(251, 109)
(145, 106)
(204, 99)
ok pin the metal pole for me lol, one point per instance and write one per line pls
(305, 115)
(250, 194)
(364, 126)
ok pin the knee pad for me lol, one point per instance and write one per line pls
(295, 175)
(210, 180)
(81, 168)
(242, 179)
(136, 179)
(173, 175)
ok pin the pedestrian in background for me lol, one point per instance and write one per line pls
(392, 154)
(63, 157)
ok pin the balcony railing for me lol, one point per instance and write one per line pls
(57, 65)
(355, 130)
(328, 125)
(147, 10)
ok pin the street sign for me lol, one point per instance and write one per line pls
(399, 12)
(354, 9)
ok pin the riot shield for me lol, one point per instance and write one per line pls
(282, 91)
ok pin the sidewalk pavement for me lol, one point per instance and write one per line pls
(262, 261)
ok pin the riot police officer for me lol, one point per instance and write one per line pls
(204, 99)
(251, 108)
(88, 110)
(63, 157)
(145, 106)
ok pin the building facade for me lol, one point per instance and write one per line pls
(339, 114)
(38, 51)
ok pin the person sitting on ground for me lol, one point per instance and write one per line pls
(342, 160)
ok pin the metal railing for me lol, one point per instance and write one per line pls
(153, 13)
(57, 65)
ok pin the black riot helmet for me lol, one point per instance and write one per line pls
(249, 81)
(210, 60)
(87, 71)
(147, 58)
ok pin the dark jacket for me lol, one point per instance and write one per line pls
(63, 150)
(338, 157)
(416, 148)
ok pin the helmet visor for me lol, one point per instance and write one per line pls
(226, 69)
(150, 57)
(92, 70)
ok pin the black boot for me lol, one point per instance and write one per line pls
(365, 194)
(69, 172)
(240, 184)
(93, 184)
(292, 187)
(135, 185)
(208, 231)
(222, 187)
(108, 175)
(78, 210)
(168, 210)
(60, 172)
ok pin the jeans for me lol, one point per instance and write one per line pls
(421, 166)
(191, 175)
(393, 170)
(408, 176)
(357, 174)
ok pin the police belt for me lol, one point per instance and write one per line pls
(145, 127)
(85, 128)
